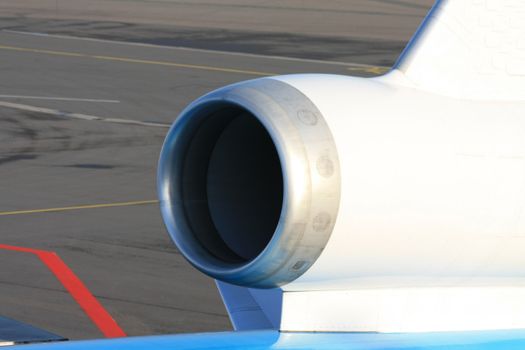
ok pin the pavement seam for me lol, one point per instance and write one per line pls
(102, 297)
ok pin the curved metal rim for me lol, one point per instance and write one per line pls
(298, 239)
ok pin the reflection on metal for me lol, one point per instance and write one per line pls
(310, 175)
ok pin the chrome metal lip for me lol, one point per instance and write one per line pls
(307, 154)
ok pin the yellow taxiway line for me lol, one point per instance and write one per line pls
(78, 207)
(133, 60)
(364, 68)
(377, 70)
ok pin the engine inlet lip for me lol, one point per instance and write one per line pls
(179, 135)
(289, 252)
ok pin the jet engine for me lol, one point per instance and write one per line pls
(249, 183)
(331, 181)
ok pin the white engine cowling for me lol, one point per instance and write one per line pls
(249, 183)
(315, 182)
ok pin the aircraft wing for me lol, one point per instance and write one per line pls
(262, 340)
(14, 332)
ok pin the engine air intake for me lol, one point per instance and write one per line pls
(249, 183)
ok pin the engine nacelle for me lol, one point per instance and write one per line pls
(249, 183)
(257, 179)
(354, 196)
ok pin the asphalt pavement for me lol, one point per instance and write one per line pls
(85, 102)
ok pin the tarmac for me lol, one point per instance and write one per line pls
(87, 92)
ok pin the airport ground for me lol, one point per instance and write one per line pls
(87, 91)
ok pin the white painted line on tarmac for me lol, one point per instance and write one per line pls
(182, 48)
(53, 98)
(81, 116)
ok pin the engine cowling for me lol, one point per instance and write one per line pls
(249, 183)
(319, 182)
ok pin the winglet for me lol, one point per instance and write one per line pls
(472, 49)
